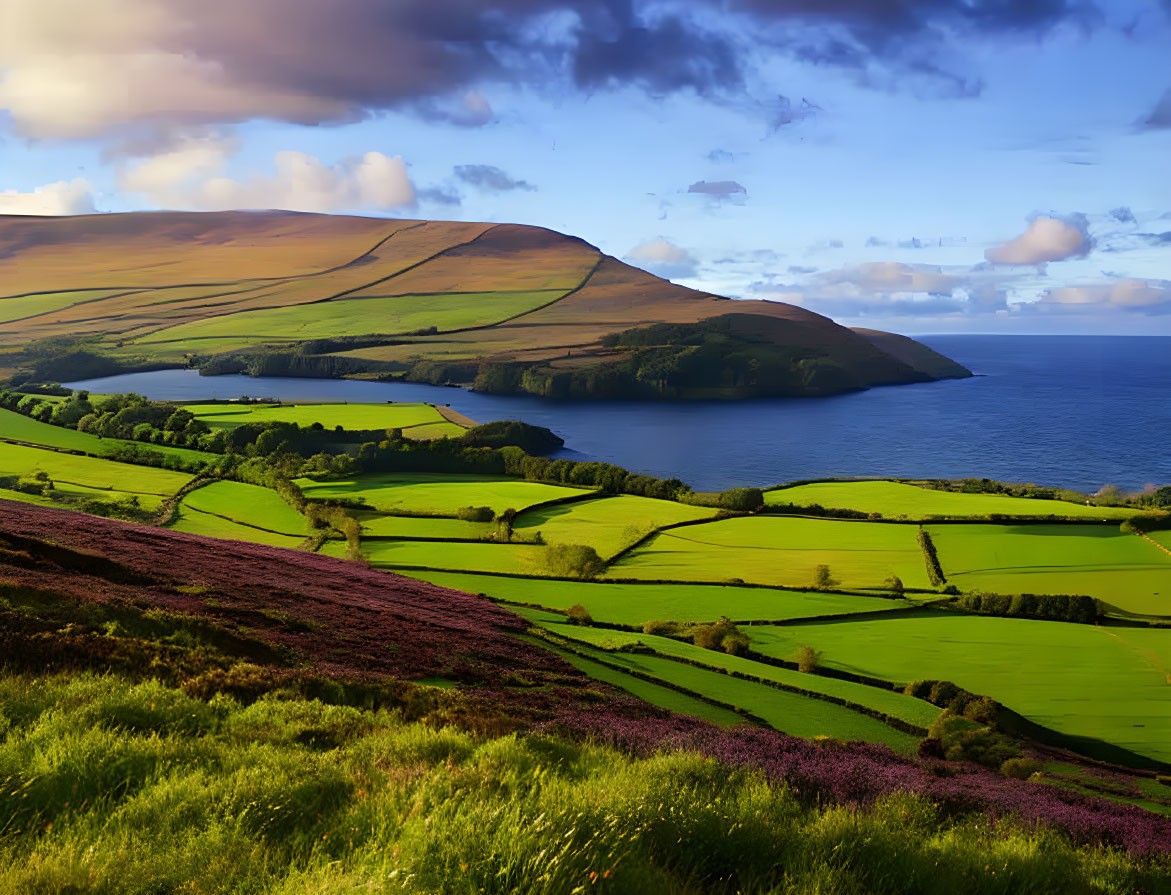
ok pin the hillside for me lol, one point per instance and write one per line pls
(506, 307)
(220, 626)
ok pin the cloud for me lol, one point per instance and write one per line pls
(1160, 117)
(191, 177)
(1151, 297)
(491, 179)
(724, 157)
(439, 195)
(62, 197)
(1045, 239)
(1122, 214)
(80, 69)
(783, 112)
(718, 190)
(663, 258)
(890, 289)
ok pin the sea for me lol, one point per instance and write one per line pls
(1071, 411)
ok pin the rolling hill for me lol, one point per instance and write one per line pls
(503, 307)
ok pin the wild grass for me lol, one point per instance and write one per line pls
(248, 504)
(91, 472)
(348, 416)
(117, 788)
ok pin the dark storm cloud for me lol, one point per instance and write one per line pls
(491, 178)
(186, 63)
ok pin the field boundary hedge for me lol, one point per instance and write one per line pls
(170, 507)
(934, 569)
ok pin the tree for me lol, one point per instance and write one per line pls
(822, 578)
(894, 584)
(573, 561)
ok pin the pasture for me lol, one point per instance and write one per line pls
(194, 522)
(898, 500)
(380, 526)
(1123, 570)
(18, 427)
(385, 315)
(608, 524)
(897, 705)
(90, 472)
(634, 604)
(1081, 680)
(363, 417)
(250, 505)
(780, 550)
(461, 555)
(435, 493)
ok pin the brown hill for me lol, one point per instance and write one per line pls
(505, 306)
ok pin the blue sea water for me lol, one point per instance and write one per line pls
(1074, 411)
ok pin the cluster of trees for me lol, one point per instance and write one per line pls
(991, 486)
(722, 636)
(1147, 522)
(131, 417)
(816, 509)
(934, 569)
(513, 433)
(1049, 607)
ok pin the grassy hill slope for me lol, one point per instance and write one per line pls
(507, 307)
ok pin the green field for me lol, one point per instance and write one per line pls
(148, 502)
(792, 713)
(633, 604)
(607, 524)
(1122, 569)
(435, 493)
(780, 550)
(92, 472)
(1162, 538)
(1081, 680)
(376, 525)
(250, 505)
(388, 315)
(194, 522)
(893, 703)
(348, 416)
(464, 556)
(897, 499)
(24, 306)
(19, 427)
(655, 694)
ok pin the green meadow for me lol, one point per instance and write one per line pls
(348, 416)
(521, 559)
(193, 522)
(634, 604)
(890, 702)
(437, 494)
(608, 524)
(899, 499)
(90, 472)
(249, 505)
(386, 315)
(381, 526)
(780, 550)
(1124, 570)
(1082, 680)
(18, 427)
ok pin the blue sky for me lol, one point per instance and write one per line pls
(916, 165)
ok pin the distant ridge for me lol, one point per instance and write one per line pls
(503, 307)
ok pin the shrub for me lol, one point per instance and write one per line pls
(578, 615)
(723, 636)
(741, 499)
(660, 628)
(1020, 768)
(822, 579)
(894, 584)
(807, 658)
(475, 514)
(573, 561)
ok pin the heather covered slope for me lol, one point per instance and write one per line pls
(507, 307)
(209, 617)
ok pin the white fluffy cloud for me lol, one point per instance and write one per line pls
(1046, 239)
(62, 197)
(191, 175)
(1140, 296)
(663, 258)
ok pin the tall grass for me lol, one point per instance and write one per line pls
(112, 787)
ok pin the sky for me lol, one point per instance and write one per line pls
(923, 166)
